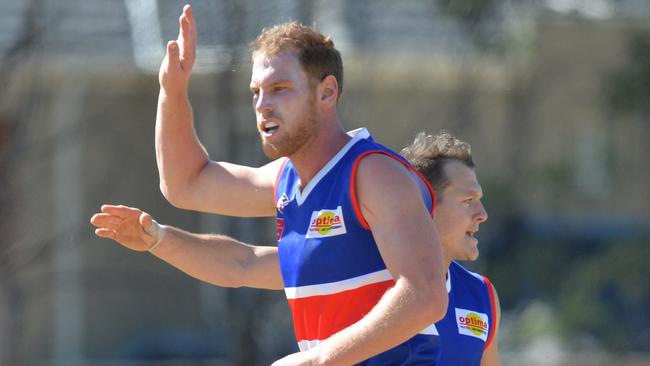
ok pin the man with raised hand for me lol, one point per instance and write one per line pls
(358, 254)
(466, 336)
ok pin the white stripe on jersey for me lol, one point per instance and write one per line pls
(336, 287)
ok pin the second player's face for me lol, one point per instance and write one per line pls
(459, 213)
(284, 103)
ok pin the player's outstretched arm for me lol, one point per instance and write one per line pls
(491, 353)
(216, 259)
(405, 234)
(188, 178)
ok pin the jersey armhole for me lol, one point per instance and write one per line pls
(277, 179)
(493, 312)
(353, 184)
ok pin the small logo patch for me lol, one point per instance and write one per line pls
(282, 202)
(326, 223)
(472, 323)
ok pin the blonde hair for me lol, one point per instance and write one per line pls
(316, 52)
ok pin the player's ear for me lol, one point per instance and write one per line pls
(328, 90)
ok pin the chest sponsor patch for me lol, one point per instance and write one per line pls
(325, 223)
(472, 323)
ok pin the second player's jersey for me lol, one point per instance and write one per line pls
(332, 270)
(468, 326)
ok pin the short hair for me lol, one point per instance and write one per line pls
(429, 155)
(316, 52)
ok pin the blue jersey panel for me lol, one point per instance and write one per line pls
(469, 320)
(331, 267)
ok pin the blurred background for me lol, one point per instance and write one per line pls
(553, 95)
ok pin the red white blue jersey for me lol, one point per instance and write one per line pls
(468, 327)
(332, 270)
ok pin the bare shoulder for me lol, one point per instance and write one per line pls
(381, 165)
(384, 183)
(385, 173)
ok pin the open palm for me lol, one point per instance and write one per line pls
(125, 225)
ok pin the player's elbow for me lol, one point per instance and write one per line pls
(434, 301)
(439, 301)
(428, 299)
(173, 195)
(167, 192)
(180, 188)
(164, 189)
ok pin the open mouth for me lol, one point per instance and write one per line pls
(270, 127)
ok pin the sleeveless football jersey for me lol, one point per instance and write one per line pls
(332, 270)
(468, 326)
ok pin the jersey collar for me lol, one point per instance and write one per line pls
(357, 135)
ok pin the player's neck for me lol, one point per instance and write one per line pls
(313, 156)
(447, 263)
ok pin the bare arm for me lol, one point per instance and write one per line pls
(188, 178)
(491, 354)
(406, 237)
(216, 259)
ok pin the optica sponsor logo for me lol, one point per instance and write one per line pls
(472, 323)
(326, 223)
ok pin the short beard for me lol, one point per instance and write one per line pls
(306, 128)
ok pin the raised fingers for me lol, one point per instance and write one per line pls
(187, 37)
(187, 11)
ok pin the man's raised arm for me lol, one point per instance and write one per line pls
(188, 178)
